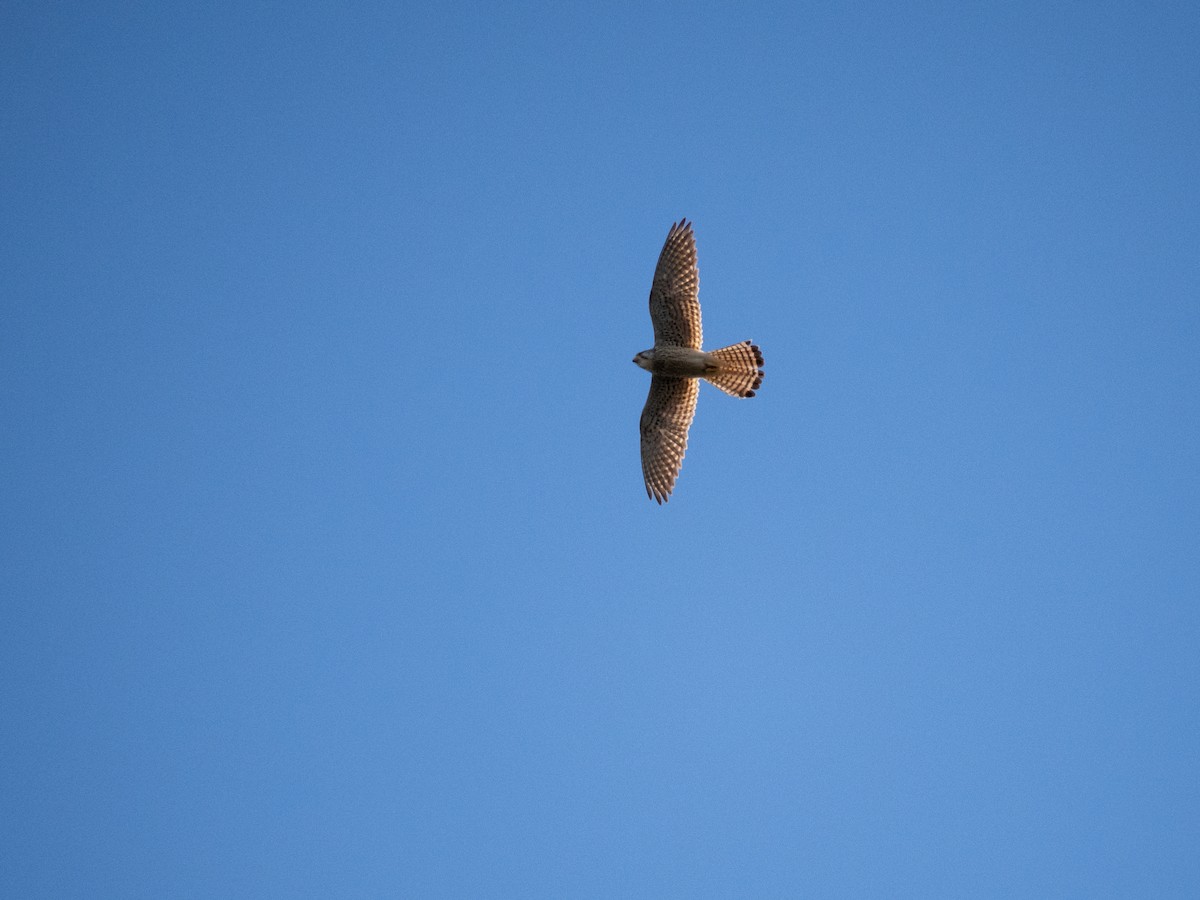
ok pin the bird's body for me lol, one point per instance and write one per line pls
(677, 362)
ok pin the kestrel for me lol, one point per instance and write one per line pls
(677, 363)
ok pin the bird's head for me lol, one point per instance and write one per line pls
(645, 359)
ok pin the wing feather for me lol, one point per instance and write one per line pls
(665, 421)
(675, 294)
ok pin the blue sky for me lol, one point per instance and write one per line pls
(327, 565)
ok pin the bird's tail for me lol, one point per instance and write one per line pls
(738, 369)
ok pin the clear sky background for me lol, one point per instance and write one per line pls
(327, 565)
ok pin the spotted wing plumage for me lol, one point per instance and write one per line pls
(665, 422)
(675, 294)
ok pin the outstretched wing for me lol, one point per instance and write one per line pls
(665, 422)
(675, 294)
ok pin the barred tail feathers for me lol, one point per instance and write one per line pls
(739, 369)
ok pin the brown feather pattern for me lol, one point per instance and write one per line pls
(665, 421)
(675, 293)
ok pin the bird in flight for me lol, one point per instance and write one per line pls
(677, 362)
